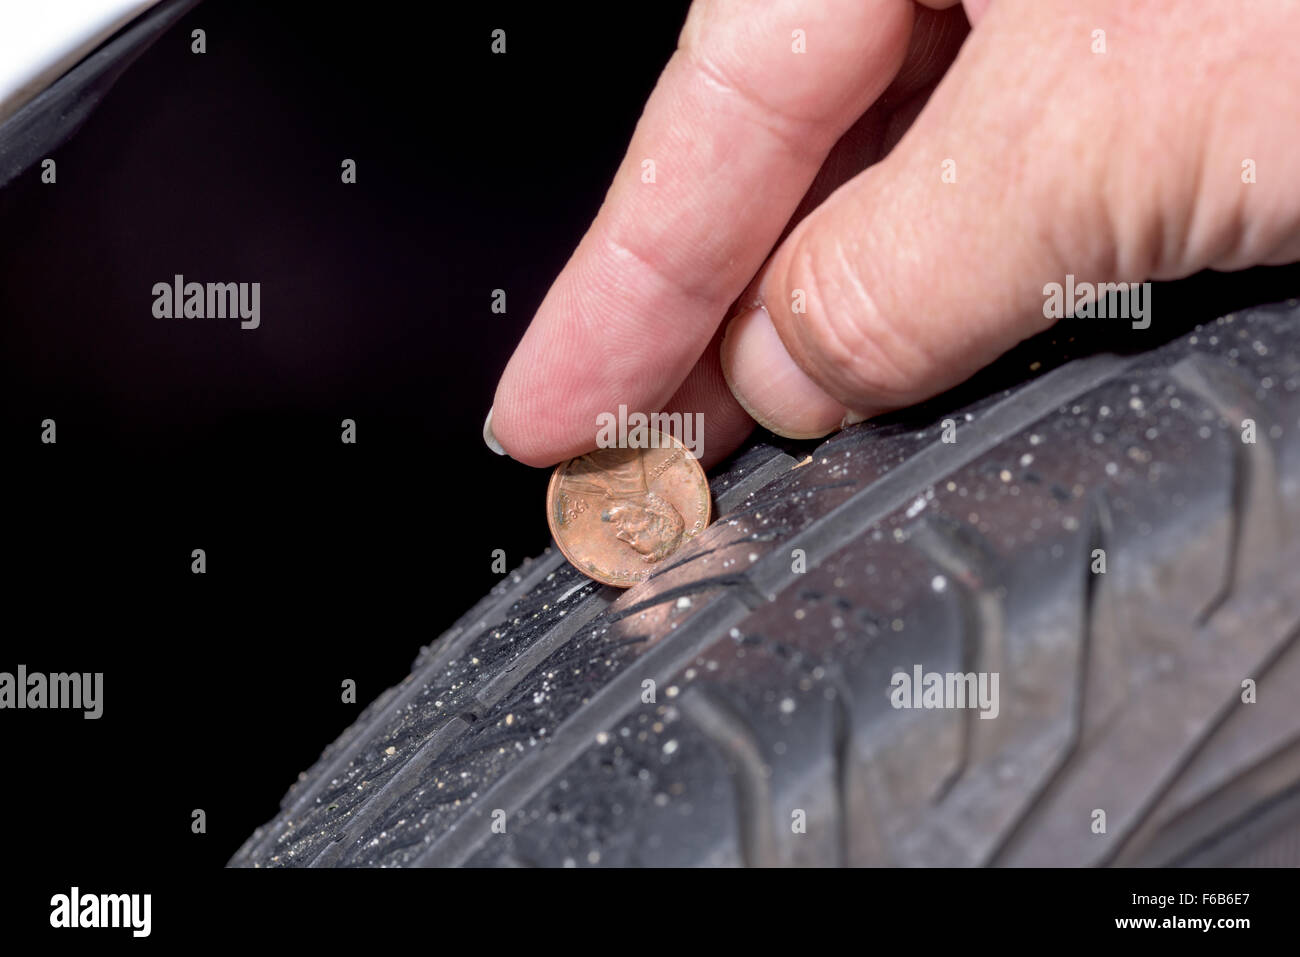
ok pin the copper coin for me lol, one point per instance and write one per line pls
(618, 513)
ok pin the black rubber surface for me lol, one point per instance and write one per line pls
(51, 117)
(525, 736)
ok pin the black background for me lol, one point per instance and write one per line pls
(325, 561)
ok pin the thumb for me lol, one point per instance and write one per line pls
(933, 262)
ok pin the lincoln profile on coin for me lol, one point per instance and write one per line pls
(645, 521)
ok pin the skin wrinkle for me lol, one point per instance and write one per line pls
(1027, 243)
(1074, 233)
(1164, 242)
(1136, 239)
(881, 336)
(887, 20)
(902, 340)
(705, 294)
(1273, 229)
(606, 265)
(1068, 161)
(1167, 234)
(794, 140)
(617, 345)
(1242, 235)
(1186, 219)
(926, 358)
(659, 125)
(1237, 238)
(670, 242)
(713, 73)
(812, 338)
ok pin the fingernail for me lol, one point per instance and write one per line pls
(769, 385)
(851, 418)
(491, 438)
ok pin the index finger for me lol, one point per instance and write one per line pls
(743, 115)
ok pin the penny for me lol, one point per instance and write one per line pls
(616, 514)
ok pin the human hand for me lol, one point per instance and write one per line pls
(1173, 149)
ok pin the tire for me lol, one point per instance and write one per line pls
(525, 736)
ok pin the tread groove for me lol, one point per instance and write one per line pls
(758, 476)
(383, 798)
(1240, 782)
(732, 735)
(1254, 490)
(418, 681)
(949, 548)
(842, 756)
(772, 574)
(1098, 710)
(514, 672)
(1189, 754)
(896, 488)
(1098, 536)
